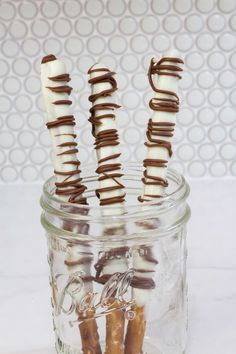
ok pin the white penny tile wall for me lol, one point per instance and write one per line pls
(124, 35)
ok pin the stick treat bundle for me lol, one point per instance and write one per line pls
(163, 76)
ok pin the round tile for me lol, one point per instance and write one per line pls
(9, 174)
(118, 44)
(31, 47)
(40, 28)
(18, 29)
(206, 116)
(197, 169)
(7, 139)
(150, 24)
(15, 121)
(182, 6)
(84, 62)
(161, 42)
(216, 22)
(5, 104)
(228, 151)
(172, 24)
(17, 156)
(28, 10)
(207, 152)
(194, 23)
(185, 152)
(227, 78)
(205, 41)
(29, 173)
(205, 6)
(7, 11)
(233, 133)
(216, 60)
(74, 46)
(106, 26)
(129, 62)
(96, 45)
(35, 120)
(26, 139)
(123, 118)
(185, 116)
(196, 134)
(141, 117)
(194, 60)
(23, 103)
(132, 136)
(122, 80)
(232, 22)
(62, 27)
(116, 7)
(130, 99)
(138, 7)
(195, 98)
(84, 26)
(44, 138)
(128, 25)
(227, 41)
(72, 8)
(218, 168)
(226, 6)
(4, 68)
(11, 85)
(94, 8)
(177, 166)
(183, 42)
(52, 45)
(109, 61)
(50, 9)
(217, 134)
(217, 97)
(38, 156)
(160, 7)
(187, 80)
(10, 48)
(139, 44)
(232, 97)
(140, 81)
(227, 115)
(32, 84)
(206, 79)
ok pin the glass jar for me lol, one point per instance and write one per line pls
(118, 275)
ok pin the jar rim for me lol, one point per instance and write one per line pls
(169, 200)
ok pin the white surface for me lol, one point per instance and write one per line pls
(25, 310)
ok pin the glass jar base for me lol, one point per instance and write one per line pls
(63, 348)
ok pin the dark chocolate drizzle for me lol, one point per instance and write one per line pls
(157, 130)
(72, 188)
(104, 138)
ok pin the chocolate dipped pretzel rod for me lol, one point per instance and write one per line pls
(159, 136)
(68, 184)
(110, 192)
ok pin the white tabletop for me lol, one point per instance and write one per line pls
(25, 312)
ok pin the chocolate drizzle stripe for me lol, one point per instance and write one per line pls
(156, 131)
(63, 77)
(60, 89)
(48, 58)
(106, 137)
(70, 186)
(67, 102)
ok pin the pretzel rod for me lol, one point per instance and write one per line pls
(159, 136)
(110, 192)
(61, 123)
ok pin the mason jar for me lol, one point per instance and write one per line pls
(118, 273)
